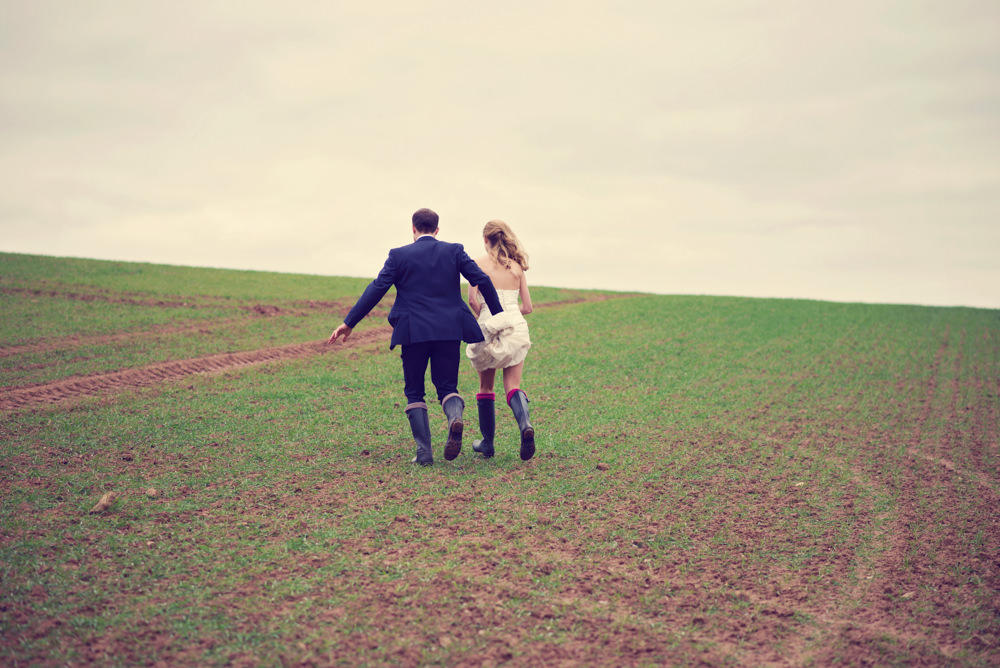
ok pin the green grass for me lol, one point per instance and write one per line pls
(717, 479)
(141, 278)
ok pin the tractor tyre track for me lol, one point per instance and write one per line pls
(74, 387)
(897, 599)
(116, 381)
(255, 311)
(295, 309)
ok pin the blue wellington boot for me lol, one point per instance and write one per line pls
(420, 426)
(453, 407)
(487, 423)
(518, 402)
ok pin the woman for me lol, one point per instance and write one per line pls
(506, 335)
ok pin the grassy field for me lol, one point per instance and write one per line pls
(718, 480)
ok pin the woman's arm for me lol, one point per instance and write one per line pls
(479, 279)
(475, 303)
(526, 307)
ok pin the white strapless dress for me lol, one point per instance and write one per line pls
(506, 334)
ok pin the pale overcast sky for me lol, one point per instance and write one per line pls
(778, 148)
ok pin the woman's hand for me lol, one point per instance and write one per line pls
(474, 302)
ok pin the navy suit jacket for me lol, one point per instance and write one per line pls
(429, 305)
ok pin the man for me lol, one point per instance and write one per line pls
(429, 320)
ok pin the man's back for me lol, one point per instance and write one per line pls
(429, 304)
(427, 271)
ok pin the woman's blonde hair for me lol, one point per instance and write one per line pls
(504, 246)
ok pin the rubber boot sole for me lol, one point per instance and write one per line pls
(454, 445)
(528, 443)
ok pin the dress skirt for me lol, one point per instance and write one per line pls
(506, 337)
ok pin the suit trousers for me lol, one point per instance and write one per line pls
(443, 357)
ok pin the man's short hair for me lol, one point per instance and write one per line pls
(425, 220)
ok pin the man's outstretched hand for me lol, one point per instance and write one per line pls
(343, 330)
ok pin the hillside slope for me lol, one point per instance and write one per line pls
(717, 480)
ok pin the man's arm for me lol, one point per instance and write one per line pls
(478, 278)
(369, 298)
